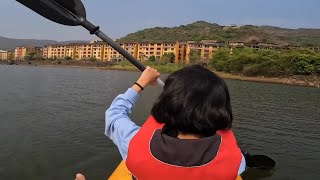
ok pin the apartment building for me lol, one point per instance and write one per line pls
(21, 52)
(206, 48)
(146, 50)
(70, 51)
(109, 54)
(180, 52)
(3, 55)
(236, 44)
(97, 50)
(209, 47)
(142, 51)
(132, 48)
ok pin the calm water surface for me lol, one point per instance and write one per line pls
(52, 123)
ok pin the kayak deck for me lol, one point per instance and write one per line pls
(122, 173)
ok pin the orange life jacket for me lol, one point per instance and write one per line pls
(145, 166)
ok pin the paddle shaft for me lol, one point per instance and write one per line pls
(95, 30)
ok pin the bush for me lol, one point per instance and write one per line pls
(251, 70)
(93, 59)
(152, 58)
(266, 62)
(67, 58)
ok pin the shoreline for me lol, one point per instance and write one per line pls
(296, 80)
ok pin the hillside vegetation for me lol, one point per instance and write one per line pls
(202, 30)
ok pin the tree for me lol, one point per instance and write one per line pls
(152, 58)
(11, 56)
(38, 57)
(307, 64)
(93, 59)
(221, 60)
(168, 58)
(30, 56)
(67, 58)
(194, 56)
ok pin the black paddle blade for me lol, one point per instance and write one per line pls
(259, 161)
(66, 12)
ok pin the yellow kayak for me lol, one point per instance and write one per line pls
(122, 173)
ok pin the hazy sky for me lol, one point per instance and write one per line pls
(120, 17)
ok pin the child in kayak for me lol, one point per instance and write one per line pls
(187, 136)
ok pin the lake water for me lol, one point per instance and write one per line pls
(52, 123)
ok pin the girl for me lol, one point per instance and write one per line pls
(187, 136)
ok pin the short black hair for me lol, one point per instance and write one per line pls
(194, 101)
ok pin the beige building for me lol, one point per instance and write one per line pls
(45, 52)
(142, 51)
(209, 48)
(192, 46)
(59, 51)
(54, 52)
(83, 51)
(131, 48)
(21, 52)
(70, 51)
(97, 50)
(206, 48)
(3, 55)
(180, 52)
(236, 44)
(146, 50)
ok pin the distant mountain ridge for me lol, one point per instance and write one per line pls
(197, 31)
(10, 43)
(202, 30)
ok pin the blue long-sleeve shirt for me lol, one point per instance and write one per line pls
(119, 127)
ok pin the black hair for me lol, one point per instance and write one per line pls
(194, 101)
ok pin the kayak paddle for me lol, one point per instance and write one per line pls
(73, 13)
(259, 161)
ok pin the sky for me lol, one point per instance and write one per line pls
(117, 18)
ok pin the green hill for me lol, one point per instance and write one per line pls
(202, 30)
